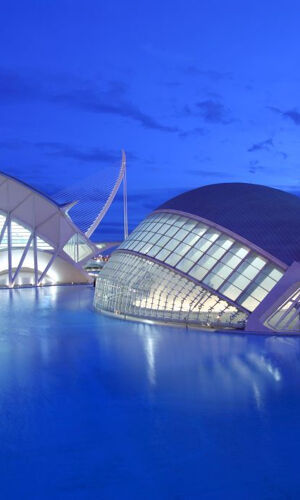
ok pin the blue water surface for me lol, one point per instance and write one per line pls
(97, 408)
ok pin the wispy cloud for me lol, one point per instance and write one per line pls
(197, 131)
(291, 114)
(64, 150)
(267, 145)
(211, 111)
(255, 167)
(93, 155)
(100, 102)
(262, 145)
(83, 95)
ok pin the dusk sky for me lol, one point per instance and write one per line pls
(195, 92)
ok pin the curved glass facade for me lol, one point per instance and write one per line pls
(132, 285)
(207, 255)
(176, 268)
(286, 318)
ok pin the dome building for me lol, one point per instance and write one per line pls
(223, 256)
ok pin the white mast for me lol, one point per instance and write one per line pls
(125, 212)
(110, 199)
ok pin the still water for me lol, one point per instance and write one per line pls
(97, 408)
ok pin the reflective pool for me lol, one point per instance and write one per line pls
(96, 408)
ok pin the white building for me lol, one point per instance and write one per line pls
(39, 243)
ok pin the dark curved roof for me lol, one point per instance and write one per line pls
(268, 217)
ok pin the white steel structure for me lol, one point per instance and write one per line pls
(39, 242)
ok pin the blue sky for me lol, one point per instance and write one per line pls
(196, 93)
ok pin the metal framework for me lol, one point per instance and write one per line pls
(286, 318)
(232, 276)
(39, 244)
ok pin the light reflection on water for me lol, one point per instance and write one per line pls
(93, 407)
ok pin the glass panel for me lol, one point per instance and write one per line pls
(200, 229)
(145, 249)
(249, 303)
(154, 250)
(191, 239)
(182, 249)
(19, 235)
(213, 280)
(231, 260)
(173, 259)
(77, 248)
(185, 265)
(131, 285)
(267, 283)
(216, 251)
(239, 280)
(207, 261)
(189, 225)
(181, 234)
(211, 234)
(2, 221)
(224, 241)
(259, 293)
(162, 254)
(83, 249)
(154, 238)
(171, 231)
(203, 244)
(163, 228)
(230, 291)
(172, 244)
(248, 270)
(163, 240)
(257, 261)
(194, 254)
(222, 270)
(276, 274)
(138, 246)
(286, 317)
(198, 272)
(70, 248)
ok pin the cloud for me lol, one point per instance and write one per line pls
(263, 145)
(291, 114)
(93, 155)
(63, 150)
(15, 87)
(255, 167)
(267, 145)
(197, 131)
(211, 111)
(82, 95)
(100, 102)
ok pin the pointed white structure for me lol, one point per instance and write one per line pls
(121, 177)
(39, 242)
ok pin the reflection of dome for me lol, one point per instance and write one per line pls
(39, 243)
(210, 257)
